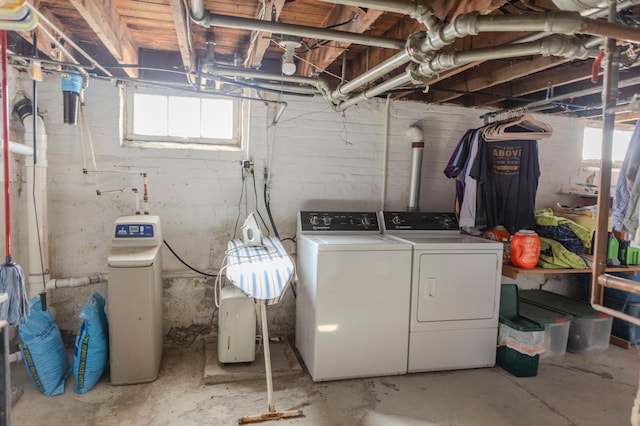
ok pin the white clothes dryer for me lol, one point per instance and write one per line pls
(353, 294)
(455, 292)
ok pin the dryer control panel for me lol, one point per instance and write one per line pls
(323, 221)
(420, 221)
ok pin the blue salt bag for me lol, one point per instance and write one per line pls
(42, 350)
(92, 345)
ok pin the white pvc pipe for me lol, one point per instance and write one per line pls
(416, 136)
(17, 148)
(37, 227)
(76, 282)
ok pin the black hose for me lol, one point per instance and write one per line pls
(185, 263)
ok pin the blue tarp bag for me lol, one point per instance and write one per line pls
(92, 345)
(42, 350)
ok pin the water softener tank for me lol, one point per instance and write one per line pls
(134, 304)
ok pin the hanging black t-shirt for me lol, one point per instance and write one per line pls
(508, 173)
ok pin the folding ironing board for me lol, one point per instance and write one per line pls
(263, 273)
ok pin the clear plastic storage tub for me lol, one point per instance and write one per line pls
(556, 327)
(590, 330)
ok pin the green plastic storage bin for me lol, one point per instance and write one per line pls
(589, 331)
(514, 361)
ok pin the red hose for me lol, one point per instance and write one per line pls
(595, 67)
(5, 135)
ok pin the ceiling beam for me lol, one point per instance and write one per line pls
(497, 72)
(261, 42)
(103, 18)
(552, 78)
(319, 59)
(45, 45)
(182, 28)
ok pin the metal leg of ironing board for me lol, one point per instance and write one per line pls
(272, 414)
(267, 357)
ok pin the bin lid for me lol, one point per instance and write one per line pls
(561, 303)
(543, 315)
(521, 323)
(508, 301)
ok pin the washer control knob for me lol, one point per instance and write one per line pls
(314, 220)
(365, 221)
(326, 220)
(396, 220)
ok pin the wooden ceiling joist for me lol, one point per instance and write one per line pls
(322, 57)
(179, 18)
(103, 18)
(261, 42)
(45, 45)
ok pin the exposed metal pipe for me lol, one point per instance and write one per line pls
(215, 70)
(554, 45)
(214, 20)
(598, 276)
(422, 46)
(197, 10)
(390, 84)
(374, 73)
(417, 9)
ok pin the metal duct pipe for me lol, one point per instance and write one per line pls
(397, 81)
(197, 10)
(215, 70)
(297, 30)
(558, 22)
(418, 10)
(555, 45)
(416, 136)
(380, 70)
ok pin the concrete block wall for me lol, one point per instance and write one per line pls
(320, 159)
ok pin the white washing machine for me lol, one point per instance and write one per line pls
(353, 294)
(455, 292)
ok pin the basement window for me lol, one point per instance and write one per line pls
(592, 144)
(164, 119)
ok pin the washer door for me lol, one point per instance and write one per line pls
(456, 286)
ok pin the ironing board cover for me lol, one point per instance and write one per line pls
(262, 272)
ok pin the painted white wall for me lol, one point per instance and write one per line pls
(320, 159)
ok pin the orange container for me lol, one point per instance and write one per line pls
(525, 249)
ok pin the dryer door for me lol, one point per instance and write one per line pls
(456, 286)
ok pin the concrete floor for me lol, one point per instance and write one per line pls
(592, 389)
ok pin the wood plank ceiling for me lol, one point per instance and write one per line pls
(159, 33)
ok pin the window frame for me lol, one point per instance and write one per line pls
(129, 138)
(595, 163)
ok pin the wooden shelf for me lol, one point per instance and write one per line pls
(510, 271)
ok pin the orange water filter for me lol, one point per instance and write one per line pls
(525, 249)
